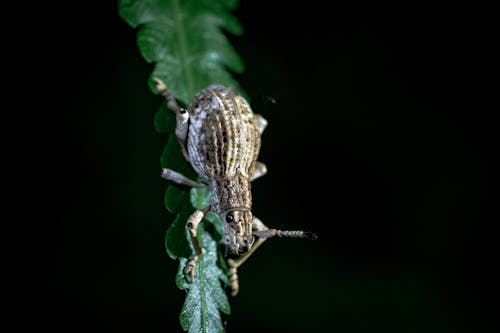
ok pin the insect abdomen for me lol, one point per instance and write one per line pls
(223, 140)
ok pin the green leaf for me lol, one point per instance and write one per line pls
(214, 219)
(205, 298)
(175, 198)
(164, 120)
(200, 197)
(177, 240)
(185, 41)
(172, 158)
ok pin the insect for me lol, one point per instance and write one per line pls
(219, 136)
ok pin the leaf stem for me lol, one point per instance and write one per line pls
(202, 280)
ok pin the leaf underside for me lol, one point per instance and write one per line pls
(200, 312)
(184, 40)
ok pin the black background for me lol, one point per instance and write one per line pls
(381, 141)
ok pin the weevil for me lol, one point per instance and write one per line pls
(220, 136)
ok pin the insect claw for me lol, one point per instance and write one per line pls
(189, 271)
(190, 274)
(160, 86)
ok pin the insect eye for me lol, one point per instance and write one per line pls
(229, 218)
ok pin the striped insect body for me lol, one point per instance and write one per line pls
(220, 137)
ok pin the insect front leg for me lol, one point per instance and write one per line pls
(192, 225)
(181, 115)
(257, 225)
(260, 230)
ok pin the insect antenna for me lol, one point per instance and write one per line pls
(269, 233)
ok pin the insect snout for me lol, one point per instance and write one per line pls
(239, 236)
(241, 244)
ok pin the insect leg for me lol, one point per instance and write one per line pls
(262, 232)
(262, 122)
(181, 115)
(179, 178)
(260, 170)
(192, 225)
(234, 264)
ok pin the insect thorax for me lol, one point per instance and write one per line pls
(232, 200)
(231, 193)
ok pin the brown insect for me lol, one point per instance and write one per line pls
(219, 136)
